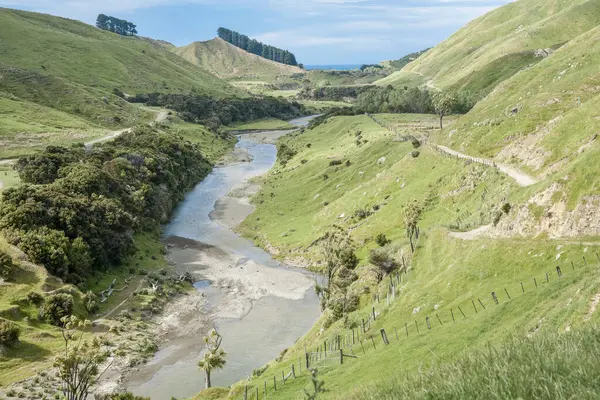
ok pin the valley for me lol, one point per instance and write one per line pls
(214, 220)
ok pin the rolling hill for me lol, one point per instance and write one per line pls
(86, 55)
(69, 73)
(519, 30)
(227, 61)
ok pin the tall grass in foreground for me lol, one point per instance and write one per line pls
(547, 366)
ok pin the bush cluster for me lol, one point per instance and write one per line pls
(214, 113)
(77, 211)
(9, 333)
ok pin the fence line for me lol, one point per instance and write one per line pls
(440, 149)
(357, 341)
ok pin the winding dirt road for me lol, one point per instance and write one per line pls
(520, 177)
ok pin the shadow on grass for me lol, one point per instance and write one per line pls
(28, 351)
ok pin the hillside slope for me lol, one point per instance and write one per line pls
(227, 61)
(521, 27)
(86, 55)
(352, 173)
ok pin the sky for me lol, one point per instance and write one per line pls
(318, 32)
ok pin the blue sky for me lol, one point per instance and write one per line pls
(317, 31)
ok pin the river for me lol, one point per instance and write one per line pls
(258, 305)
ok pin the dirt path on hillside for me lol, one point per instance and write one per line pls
(520, 177)
(160, 116)
(471, 235)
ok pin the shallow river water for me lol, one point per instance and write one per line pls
(272, 323)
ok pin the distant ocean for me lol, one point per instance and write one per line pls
(340, 67)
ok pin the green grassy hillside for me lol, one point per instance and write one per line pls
(543, 120)
(227, 61)
(364, 188)
(84, 54)
(525, 25)
(58, 79)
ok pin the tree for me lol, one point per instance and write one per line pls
(214, 357)
(383, 262)
(116, 25)
(412, 214)
(340, 262)
(79, 365)
(9, 333)
(443, 103)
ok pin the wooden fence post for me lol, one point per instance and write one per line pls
(452, 312)
(384, 336)
(474, 307)
(363, 347)
(439, 319)
(494, 297)
(522, 288)
(374, 313)
(341, 356)
(535, 281)
(274, 383)
(396, 330)
(265, 396)
(572, 266)
(307, 360)
(406, 328)
(293, 371)
(373, 340)
(547, 278)
(481, 303)
(506, 291)
(257, 393)
(558, 271)
(427, 321)
(246, 392)
(461, 311)
(417, 325)
(283, 377)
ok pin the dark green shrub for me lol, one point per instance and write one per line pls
(9, 333)
(57, 306)
(335, 162)
(35, 298)
(384, 263)
(381, 240)
(90, 301)
(7, 265)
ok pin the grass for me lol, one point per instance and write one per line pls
(97, 107)
(262, 125)
(227, 61)
(310, 203)
(554, 120)
(513, 28)
(8, 176)
(509, 371)
(83, 54)
(445, 273)
(26, 127)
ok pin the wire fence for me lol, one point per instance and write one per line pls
(443, 151)
(342, 346)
